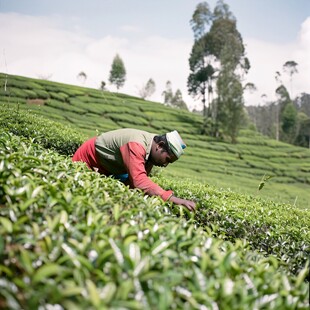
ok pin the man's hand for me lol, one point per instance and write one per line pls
(190, 205)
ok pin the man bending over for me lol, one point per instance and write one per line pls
(130, 154)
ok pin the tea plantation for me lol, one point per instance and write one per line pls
(239, 167)
(72, 239)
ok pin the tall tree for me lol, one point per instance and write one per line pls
(303, 137)
(251, 87)
(303, 103)
(229, 104)
(167, 93)
(118, 72)
(82, 77)
(177, 101)
(200, 62)
(148, 89)
(289, 124)
(287, 116)
(173, 100)
(217, 57)
(290, 67)
(283, 100)
(201, 18)
(226, 44)
(283, 119)
(102, 85)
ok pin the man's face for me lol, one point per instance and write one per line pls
(161, 157)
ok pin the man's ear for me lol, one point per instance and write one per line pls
(161, 144)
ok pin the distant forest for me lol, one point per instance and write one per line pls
(284, 120)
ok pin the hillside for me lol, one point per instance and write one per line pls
(71, 239)
(239, 167)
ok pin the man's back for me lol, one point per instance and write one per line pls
(108, 146)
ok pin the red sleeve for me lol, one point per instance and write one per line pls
(133, 155)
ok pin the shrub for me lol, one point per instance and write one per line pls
(48, 133)
(59, 96)
(75, 240)
(272, 228)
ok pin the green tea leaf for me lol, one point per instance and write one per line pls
(6, 224)
(93, 293)
(46, 271)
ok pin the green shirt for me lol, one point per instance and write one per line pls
(108, 147)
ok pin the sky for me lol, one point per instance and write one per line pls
(57, 40)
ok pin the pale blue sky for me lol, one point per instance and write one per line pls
(141, 31)
(277, 20)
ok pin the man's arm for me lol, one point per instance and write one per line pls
(133, 155)
(190, 205)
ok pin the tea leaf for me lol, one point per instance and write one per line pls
(50, 269)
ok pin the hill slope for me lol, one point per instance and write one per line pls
(239, 167)
(72, 239)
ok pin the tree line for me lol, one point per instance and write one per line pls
(117, 77)
(218, 67)
(285, 119)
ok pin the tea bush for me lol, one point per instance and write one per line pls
(72, 239)
(46, 132)
(65, 107)
(272, 228)
(238, 167)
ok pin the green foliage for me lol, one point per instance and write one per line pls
(263, 181)
(239, 167)
(294, 118)
(59, 96)
(222, 43)
(229, 104)
(289, 123)
(42, 94)
(173, 100)
(70, 238)
(277, 229)
(44, 131)
(30, 94)
(131, 119)
(66, 107)
(202, 16)
(118, 72)
(17, 92)
(303, 137)
(177, 101)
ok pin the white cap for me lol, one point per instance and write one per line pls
(176, 143)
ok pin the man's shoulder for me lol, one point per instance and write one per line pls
(124, 135)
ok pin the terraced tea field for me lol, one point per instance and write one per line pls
(73, 239)
(239, 167)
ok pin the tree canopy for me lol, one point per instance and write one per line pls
(217, 64)
(118, 72)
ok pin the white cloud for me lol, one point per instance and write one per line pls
(266, 58)
(38, 46)
(302, 56)
(45, 49)
(34, 46)
(131, 29)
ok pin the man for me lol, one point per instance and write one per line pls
(130, 154)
